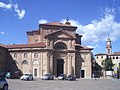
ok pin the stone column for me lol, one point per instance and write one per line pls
(31, 66)
(51, 44)
(69, 64)
(20, 61)
(73, 64)
(41, 64)
(65, 65)
(48, 63)
(51, 64)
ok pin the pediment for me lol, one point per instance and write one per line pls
(61, 34)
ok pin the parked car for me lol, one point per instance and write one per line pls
(27, 77)
(16, 75)
(62, 77)
(71, 77)
(2, 74)
(48, 77)
(3, 83)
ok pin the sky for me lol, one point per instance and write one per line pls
(96, 20)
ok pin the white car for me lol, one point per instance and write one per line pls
(62, 77)
(3, 83)
(27, 77)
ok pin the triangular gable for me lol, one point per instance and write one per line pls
(60, 34)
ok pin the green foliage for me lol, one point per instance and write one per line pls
(107, 65)
(96, 67)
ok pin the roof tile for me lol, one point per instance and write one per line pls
(26, 45)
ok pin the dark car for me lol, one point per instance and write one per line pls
(71, 77)
(48, 76)
(3, 83)
(16, 75)
(13, 75)
(2, 74)
(62, 77)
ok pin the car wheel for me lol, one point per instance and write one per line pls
(5, 87)
(27, 79)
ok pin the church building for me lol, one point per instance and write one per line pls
(54, 48)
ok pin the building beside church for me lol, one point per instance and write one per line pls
(54, 48)
(115, 57)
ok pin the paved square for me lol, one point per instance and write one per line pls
(80, 84)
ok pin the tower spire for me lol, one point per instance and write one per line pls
(67, 21)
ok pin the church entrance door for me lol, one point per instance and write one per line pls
(60, 66)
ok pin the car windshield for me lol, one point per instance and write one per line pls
(61, 75)
(70, 76)
(47, 75)
(2, 78)
(26, 74)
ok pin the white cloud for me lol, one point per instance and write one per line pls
(11, 5)
(6, 6)
(2, 32)
(20, 13)
(42, 21)
(98, 31)
(95, 46)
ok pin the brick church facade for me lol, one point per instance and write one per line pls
(54, 48)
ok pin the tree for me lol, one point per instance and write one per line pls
(96, 69)
(107, 64)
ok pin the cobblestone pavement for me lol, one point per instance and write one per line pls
(80, 84)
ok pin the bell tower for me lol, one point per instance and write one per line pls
(108, 46)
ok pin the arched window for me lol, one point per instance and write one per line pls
(35, 72)
(101, 56)
(25, 55)
(110, 57)
(97, 57)
(108, 51)
(117, 57)
(113, 57)
(35, 55)
(24, 62)
(36, 41)
(15, 55)
(60, 46)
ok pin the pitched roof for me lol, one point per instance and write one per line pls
(115, 54)
(3, 45)
(58, 24)
(60, 31)
(100, 54)
(83, 47)
(26, 45)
